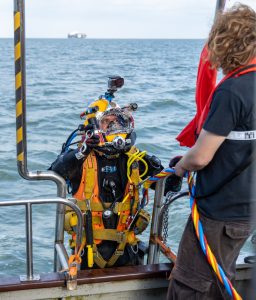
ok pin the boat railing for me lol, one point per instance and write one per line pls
(156, 243)
(59, 246)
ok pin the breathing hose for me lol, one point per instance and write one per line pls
(136, 156)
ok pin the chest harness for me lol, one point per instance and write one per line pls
(90, 203)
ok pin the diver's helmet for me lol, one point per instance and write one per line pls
(117, 128)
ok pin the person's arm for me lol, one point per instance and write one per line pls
(200, 154)
(67, 165)
(225, 113)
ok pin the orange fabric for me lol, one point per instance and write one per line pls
(205, 88)
(91, 162)
(79, 195)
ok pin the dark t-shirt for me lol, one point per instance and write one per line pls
(232, 109)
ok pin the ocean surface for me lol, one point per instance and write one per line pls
(63, 77)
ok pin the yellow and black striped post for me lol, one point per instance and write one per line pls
(21, 138)
(20, 83)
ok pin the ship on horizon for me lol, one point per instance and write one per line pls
(76, 35)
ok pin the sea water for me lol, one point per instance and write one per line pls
(63, 77)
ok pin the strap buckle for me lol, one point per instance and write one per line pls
(119, 252)
(121, 237)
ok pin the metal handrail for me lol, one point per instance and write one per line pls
(157, 219)
(62, 253)
(21, 131)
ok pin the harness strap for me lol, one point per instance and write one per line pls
(85, 191)
(98, 259)
(101, 262)
(90, 173)
(110, 235)
(119, 252)
(119, 206)
(128, 237)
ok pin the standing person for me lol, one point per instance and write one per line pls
(224, 158)
(104, 173)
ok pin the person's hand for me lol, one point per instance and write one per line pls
(179, 171)
(90, 138)
(174, 161)
(93, 140)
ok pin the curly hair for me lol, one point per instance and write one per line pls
(232, 39)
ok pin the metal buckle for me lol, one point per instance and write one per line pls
(119, 252)
(120, 236)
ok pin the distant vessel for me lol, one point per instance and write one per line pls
(77, 35)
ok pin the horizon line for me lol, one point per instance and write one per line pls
(110, 38)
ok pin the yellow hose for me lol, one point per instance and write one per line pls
(136, 156)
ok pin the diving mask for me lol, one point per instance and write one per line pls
(115, 123)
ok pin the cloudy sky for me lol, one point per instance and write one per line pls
(114, 18)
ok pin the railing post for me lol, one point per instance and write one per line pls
(29, 245)
(21, 132)
(154, 251)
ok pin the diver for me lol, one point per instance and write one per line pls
(104, 173)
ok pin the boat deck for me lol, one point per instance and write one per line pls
(133, 282)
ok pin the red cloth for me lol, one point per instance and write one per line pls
(205, 88)
(205, 84)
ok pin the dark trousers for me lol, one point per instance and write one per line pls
(192, 277)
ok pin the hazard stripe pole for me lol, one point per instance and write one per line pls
(20, 84)
(21, 138)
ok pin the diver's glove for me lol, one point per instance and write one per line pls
(154, 164)
(91, 138)
(93, 141)
(90, 141)
(173, 183)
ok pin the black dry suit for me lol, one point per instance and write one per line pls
(112, 181)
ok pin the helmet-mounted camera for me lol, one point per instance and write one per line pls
(115, 82)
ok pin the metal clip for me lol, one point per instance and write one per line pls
(121, 236)
(88, 205)
(119, 252)
(72, 279)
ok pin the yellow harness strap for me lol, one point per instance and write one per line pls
(91, 170)
(119, 206)
(102, 263)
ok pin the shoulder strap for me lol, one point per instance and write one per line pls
(91, 169)
(87, 183)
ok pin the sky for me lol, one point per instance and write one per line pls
(114, 18)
